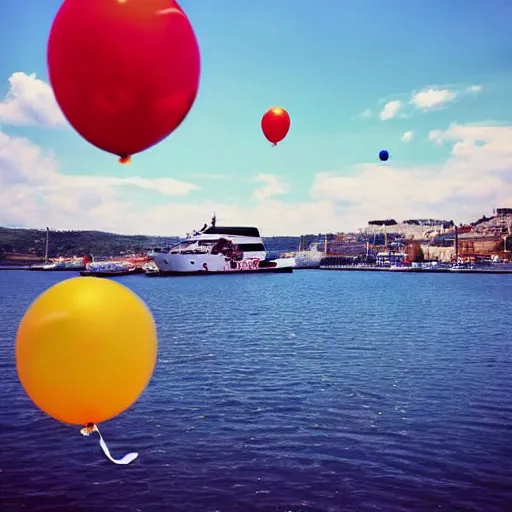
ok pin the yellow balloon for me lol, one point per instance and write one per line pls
(86, 349)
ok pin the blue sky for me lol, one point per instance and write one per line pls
(326, 63)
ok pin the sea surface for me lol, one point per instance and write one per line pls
(314, 391)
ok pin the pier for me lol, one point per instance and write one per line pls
(423, 270)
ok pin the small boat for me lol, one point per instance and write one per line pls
(461, 267)
(150, 268)
(108, 273)
(37, 267)
(70, 264)
(399, 268)
(152, 272)
(110, 269)
(219, 250)
(75, 263)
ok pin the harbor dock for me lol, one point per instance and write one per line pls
(423, 270)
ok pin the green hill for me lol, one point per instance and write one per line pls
(98, 243)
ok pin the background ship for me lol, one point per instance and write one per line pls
(307, 258)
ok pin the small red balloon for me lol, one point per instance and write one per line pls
(275, 124)
(125, 73)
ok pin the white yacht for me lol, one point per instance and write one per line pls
(216, 249)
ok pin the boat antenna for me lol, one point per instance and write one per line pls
(214, 220)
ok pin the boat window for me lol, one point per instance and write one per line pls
(193, 245)
(251, 247)
(233, 231)
(208, 243)
(182, 246)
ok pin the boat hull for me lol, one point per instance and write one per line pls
(106, 273)
(56, 269)
(201, 263)
(36, 268)
(177, 273)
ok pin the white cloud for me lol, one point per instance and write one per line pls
(407, 136)
(436, 136)
(474, 179)
(486, 146)
(431, 98)
(22, 162)
(271, 187)
(30, 102)
(33, 191)
(390, 110)
(474, 89)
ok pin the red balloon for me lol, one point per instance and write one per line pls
(124, 72)
(275, 124)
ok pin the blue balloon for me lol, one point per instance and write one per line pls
(383, 155)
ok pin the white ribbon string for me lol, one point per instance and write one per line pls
(127, 459)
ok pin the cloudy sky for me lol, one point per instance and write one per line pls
(417, 78)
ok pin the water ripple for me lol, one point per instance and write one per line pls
(317, 391)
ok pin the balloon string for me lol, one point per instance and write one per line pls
(127, 459)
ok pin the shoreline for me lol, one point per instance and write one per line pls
(416, 270)
(339, 268)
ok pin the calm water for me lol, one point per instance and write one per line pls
(316, 391)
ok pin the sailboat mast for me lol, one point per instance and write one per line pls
(46, 249)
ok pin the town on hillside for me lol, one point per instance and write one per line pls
(389, 242)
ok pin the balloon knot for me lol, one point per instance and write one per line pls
(125, 159)
(88, 429)
(274, 144)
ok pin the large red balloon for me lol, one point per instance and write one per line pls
(275, 124)
(124, 72)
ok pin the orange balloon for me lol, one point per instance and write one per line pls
(85, 350)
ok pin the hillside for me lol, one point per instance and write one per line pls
(98, 243)
(425, 229)
(409, 229)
